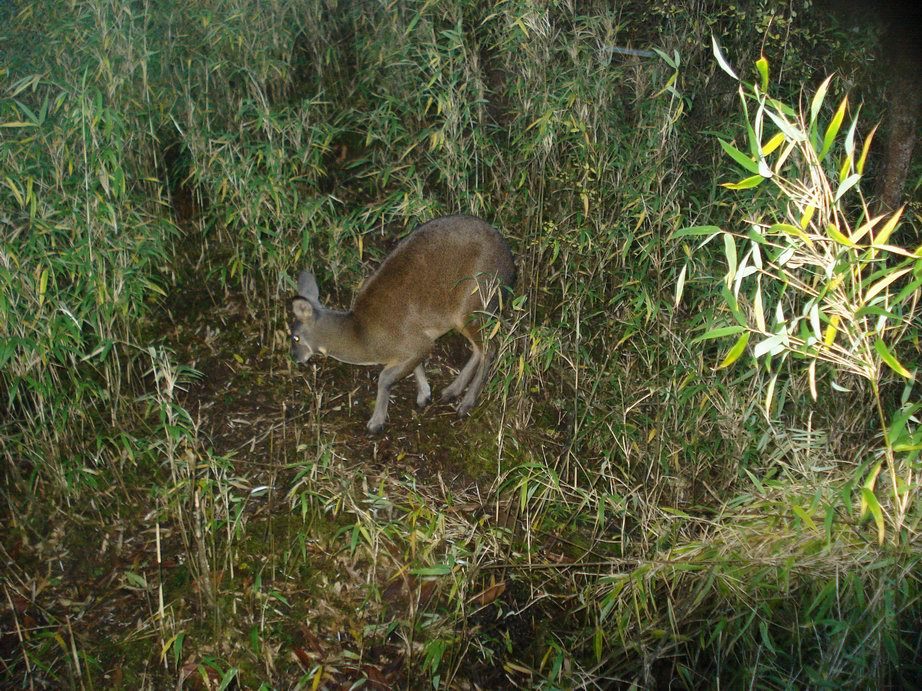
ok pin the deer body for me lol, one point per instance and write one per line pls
(446, 275)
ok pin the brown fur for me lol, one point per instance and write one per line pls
(439, 278)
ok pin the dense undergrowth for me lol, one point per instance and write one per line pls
(637, 502)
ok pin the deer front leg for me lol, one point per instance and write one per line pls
(386, 379)
(423, 390)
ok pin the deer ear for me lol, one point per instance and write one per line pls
(307, 286)
(302, 309)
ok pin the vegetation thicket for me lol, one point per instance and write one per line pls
(698, 461)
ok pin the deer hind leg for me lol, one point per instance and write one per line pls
(389, 375)
(477, 380)
(473, 375)
(481, 360)
(456, 388)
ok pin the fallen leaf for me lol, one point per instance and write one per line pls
(485, 597)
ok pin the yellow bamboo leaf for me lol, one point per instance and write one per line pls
(808, 215)
(831, 330)
(773, 144)
(864, 151)
(885, 232)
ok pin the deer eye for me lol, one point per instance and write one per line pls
(296, 338)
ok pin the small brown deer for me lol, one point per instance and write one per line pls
(446, 275)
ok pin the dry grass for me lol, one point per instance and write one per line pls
(184, 505)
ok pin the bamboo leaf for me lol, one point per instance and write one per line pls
(758, 308)
(864, 228)
(791, 230)
(818, 98)
(884, 282)
(734, 353)
(864, 151)
(745, 183)
(850, 136)
(770, 395)
(762, 67)
(815, 320)
(870, 501)
(885, 232)
(16, 191)
(790, 131)
(730, 254)
(890, 359)
(808, 216)
(769, 346)
(849, 182)
(831, 330)
(429, 571)
(680, 285)
(695, 230)
(833, 128)
(773, 144)
(811, 375)
(721, 60)
(838, 236)
(868, 484)
(719, 332)
(738, 156)
(804, 516)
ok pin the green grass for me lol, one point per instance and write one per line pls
(182, 502)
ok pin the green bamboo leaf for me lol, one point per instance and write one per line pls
(817, 102)
(804, 516)
(874, 507)
(738, 156)
(833, 128)
(890, 359)
(734, 353)
(695, 230)
(838, 236)
(864, 228)
(229, 676)
(745, 184)
(719, 332)
(791, 230)
(762, 67)
(898, 423)
(732, 304)
(669, 61)
(868, 484)
(875, 311)
(910, 288)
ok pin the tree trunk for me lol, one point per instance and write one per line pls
(903, 99)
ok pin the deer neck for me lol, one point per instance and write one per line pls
(340, 336)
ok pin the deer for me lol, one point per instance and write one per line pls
(448, 274)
